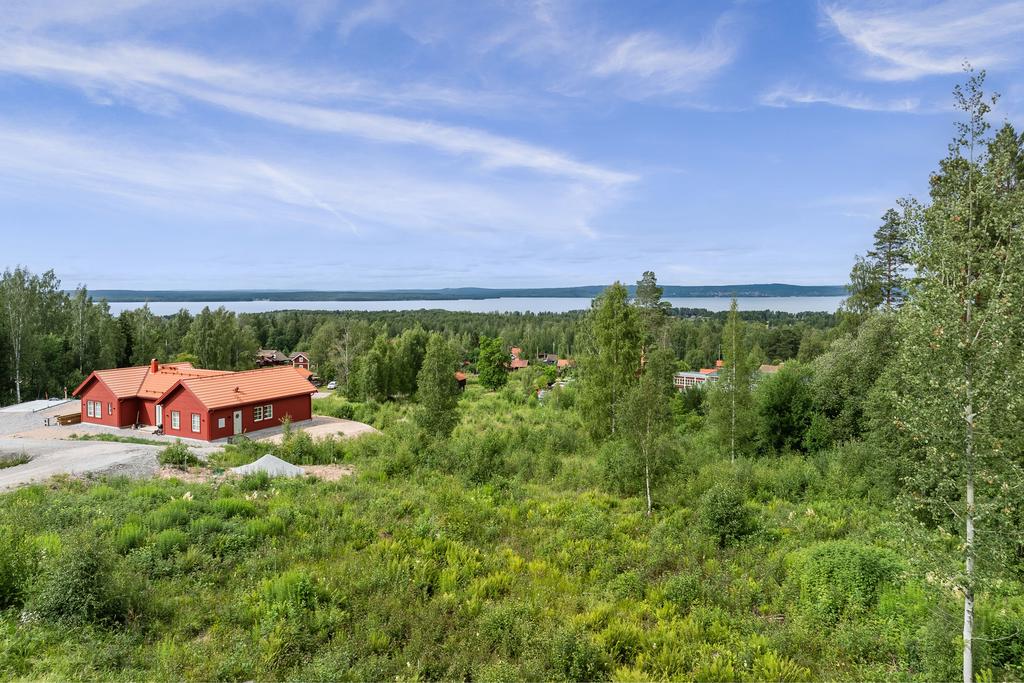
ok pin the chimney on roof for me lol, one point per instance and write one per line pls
(154, 366)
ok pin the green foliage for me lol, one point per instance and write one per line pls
(730, 405)
(129, 536)
(15, 567)
(724, 514)
(438, 390)
(169, 541)
(492, 363)
(609, 362)
(839, 579)
(177, 455)
(80, 585)
(575, 656)
(783, 406)
(13, 460)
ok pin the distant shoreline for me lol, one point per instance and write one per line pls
(462, 293)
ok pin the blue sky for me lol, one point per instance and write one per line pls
(388, 143)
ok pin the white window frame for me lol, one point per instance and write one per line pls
(196, 423)
(88, 409)
(268, 411)
(110, 407)
(175, 419)
(257, 413)
(221, 422)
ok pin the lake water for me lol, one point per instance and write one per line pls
(787, 304)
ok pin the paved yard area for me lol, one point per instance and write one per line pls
(51, 457)
(320, 426)
(14, 419)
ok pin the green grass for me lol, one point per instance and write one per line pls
(13, 459)
(117, 439)
(502, 554)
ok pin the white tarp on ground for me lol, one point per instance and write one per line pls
(272, 465)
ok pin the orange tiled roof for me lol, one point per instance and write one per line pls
(565, 362)
(519, 363)
(707, 371)
(142, 381)
(156, 383)
(251, 386)
(516, 351)
(306, 374)
(460, 376)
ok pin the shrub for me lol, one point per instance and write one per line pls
(842, 578)
(771, 667)
(683, 590)
(575, 657)
(169, 541)
(627, 585)
(233, 507)
(266, 527)
(80, 585)
(178, 455)
(15, 567)
(724, 514)
(129, 536)
(289, 595)
(170, 514)
(256, 481)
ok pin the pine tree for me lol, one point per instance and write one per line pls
(891, 252)
(652, 310)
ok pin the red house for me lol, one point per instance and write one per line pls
(122, 397)
(216, 407)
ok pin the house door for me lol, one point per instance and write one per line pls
(159, 416)
(238, 422)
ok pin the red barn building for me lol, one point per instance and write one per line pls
(147, 395)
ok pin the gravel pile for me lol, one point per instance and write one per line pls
(272, 465)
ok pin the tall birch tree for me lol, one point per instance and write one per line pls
(959, 392)
(732, 405)
(611, 360)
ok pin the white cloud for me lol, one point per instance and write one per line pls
(904, 42)
(379, 202)
(663, 66)
(145, 76)
(785, 96)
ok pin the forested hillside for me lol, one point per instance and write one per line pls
(853, 515)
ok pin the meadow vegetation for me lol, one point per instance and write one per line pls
(852, 515)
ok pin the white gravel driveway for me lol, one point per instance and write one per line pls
(51, 457)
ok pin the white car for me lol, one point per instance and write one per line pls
(332, 385)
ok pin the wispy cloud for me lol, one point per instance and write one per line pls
(657, 65)
(580, 57)
(785, 96)
(141, 74)
(905, 42)
(381, 201)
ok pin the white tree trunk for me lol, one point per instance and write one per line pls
(647, 481)
(969, 547)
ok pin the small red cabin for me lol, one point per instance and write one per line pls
(195, 403)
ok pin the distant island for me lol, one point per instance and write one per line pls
(453, 293)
